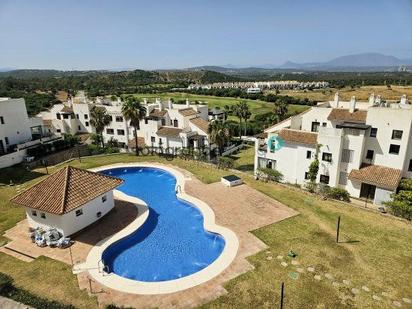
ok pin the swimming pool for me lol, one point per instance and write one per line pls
(172, 243)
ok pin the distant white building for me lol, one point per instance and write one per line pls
(364, 147)
(166, 124)
(55, 201)
(17, 131)
(253, 90)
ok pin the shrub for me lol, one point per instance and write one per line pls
(225, 162)
(339, 194)
(311, 186)
(401, 206)
(6, 283)
(269, 174)
(405, 184)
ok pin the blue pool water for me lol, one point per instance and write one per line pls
(172, 243)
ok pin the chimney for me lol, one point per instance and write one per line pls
(378, 100)
(336, 100)
(404, 100)
(352, 104)
(372, 99)
(170, 103)
(144, 101)
(187, 103)
(160, 105)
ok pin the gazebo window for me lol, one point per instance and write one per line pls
(104, 198)
(79, 212)
(34, 213)
(43, 215)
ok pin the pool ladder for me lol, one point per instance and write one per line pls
(178, 189)
(104, 269)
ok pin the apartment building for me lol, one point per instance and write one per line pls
(362, 147)
(17, 131)
(166, 124)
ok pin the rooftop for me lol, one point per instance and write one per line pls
(377, 175)
(201, 124)
(169, 132)
(66, 190)
(338, 114)
(188, 111)
(299, 137)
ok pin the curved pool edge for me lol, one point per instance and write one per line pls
(122, 284)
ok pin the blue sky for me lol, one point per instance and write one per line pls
(177, 34)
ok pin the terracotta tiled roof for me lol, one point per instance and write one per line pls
(140, 142)
(67, 109)
(380, 176)
(300, 137)
(201, 124)
(65, 190)
(47, 122)
(188, 111)
(338, 114)
(168, 132)
(158, 113)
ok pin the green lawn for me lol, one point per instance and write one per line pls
(375, 250)
(256, 106)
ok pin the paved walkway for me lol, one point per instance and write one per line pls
(7, 303)
(241, 209)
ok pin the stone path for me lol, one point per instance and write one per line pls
(7, 303)
(354, 290)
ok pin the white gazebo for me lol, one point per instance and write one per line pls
(68, 200)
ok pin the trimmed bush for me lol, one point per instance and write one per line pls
(269, 174)
(6, 283)
(225, 162)
(339, 194)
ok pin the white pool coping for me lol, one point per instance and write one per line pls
(93, 262)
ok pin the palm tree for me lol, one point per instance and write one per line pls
(281, 109)
(244, 112)
(237, 111)
(134, 111)
(220, 134)
(99, 119)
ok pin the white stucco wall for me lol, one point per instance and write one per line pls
(68, 223)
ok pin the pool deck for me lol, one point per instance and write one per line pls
(241, 209)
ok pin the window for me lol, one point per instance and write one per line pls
(111, 118)
(79, 128)
(315, 126)
(347, 156)
(99, 214)
(410, 166)
(119, 119)
(86, 116)
(306, 175)
(66, 116)
(308, 154)
(58, 116)
(6, 139)
(324, 179)
(146, 121)
(160, 141)
(77, 116)
(153, 139)
(104, 198)
(43, 215)
(397, 134)
(369, 154)
(163, 122)
(79, 212)
(343, 178)
(323, 124)
(58, 130)
(374, 132)
(394, 149)
(109, 131)
(271, 164)
(326, 156)
(120, 132)
(34, 213)
(86, 123)
(1, 120)
(175, 123)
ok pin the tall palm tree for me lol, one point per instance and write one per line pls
(281, 109)
(244, 112)
(134, 111)
(99, 119)
(220, 134)
(237, 111)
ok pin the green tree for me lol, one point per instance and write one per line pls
(314, 166)
(99, 119)
(134, 111)
(220, 134)
(281, 109)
